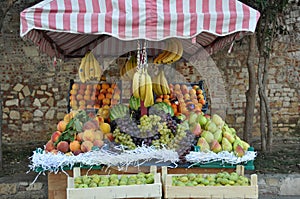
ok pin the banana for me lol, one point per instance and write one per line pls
(158, 59)
(164, 84)
(87, 68)
(173, 52)
(142, 86)
(81, 69)
(156, 85)
(128, 68)
(179, 52)
(97, 69)
(136, 84)
(149, 101)
(92, 66)
(167, 54)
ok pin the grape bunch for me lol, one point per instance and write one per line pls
(171, 123)
(123, 139)
(128, 125)
(149, 126)
(145, 141)
(166, 136)
(183, 140)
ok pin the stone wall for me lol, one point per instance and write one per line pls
(35, 90)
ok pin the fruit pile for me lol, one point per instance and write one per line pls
(217, 136)
(96, 180)
(160, 128)
(77, 133)
(184, 99)
(219, 179)
(94, 96)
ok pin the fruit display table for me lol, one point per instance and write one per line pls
(57, 183)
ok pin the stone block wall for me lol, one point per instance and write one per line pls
(34, 91)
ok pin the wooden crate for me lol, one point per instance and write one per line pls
(231, 192)
(131, 191)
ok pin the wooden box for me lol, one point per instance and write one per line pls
(229, 192)
(128, 191)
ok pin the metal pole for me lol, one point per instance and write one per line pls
(1, 164)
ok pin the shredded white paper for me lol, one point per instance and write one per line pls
(223, 156)
(41, 160)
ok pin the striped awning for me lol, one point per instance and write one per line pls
(68, 28)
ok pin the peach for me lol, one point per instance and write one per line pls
(86, 146)
(90, 125)
(98, 143)
(109, 136)
(88, 135)
(55, 136)
(79, 137)
(61, 126)
(98, 135)
(49, 146)
(63, 146)
(74, 145)
(77, 152)
(68, 117)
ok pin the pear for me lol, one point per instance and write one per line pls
(232, 131)
(218, 120)
(193, 119)
(245, 145)
(202, 120)
(212, 127)
(208, 136)
(229, 136)
(218, 135)
(204, 146)
(239, 151)
(236, 143)
(196, 129)
(215, 146)
(226, 145)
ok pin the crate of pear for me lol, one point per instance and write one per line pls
(213, 185)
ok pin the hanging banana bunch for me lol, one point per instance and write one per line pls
(171, 54)
(160, 84)
(141, 82)
(128, 70)
(89, 68)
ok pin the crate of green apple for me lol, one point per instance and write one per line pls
(140, 185)
(213, 185)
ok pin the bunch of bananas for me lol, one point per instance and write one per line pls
(172, 53)
(89, 68)
(142, 87)
(127, 71)
(160, 84)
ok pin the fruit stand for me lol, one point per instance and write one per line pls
(153, 121)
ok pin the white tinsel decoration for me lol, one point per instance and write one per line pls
(223, 156)
(41, 160)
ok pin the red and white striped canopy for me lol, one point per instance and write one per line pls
(68, 28)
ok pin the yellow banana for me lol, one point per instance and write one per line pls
(156, 85)
(173, 52)
(142, 85)
(128, 68)
(164, 84)
(81, 69)
(97, 69)
(158, 59)
(167, 54)
(179, 52)
(92, 66)
(87, 68)
(149, 93)
(136, 84)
